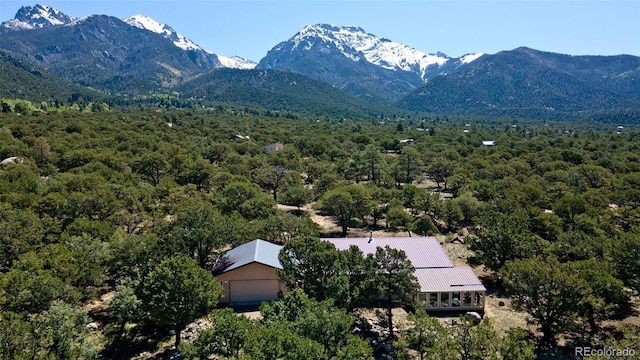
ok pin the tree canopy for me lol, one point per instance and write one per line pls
(179, 292)
(94, 198)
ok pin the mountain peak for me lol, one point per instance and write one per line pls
(350, 58)
(147, 23)
(36, 17)
(355, 43)
(330, 27)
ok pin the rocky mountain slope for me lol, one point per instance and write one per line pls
(137, 55)
(360, 63)
(36, 17)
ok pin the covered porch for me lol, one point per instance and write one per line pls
(449, 289)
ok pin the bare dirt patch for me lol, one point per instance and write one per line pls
(634, 317)
(458, 253)
(377, 319)
(503, 316)
(326, 223)
(631, 318)
(101, 304)
(253, 315)
(329, 226)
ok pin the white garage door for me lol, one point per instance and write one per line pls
(252, 291)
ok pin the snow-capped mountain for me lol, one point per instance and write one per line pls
(43, 16)
(356, 44)
(147, 23)
(102, 51)
(529, 83)
(359, 62)
(36, 17)
(142, 56)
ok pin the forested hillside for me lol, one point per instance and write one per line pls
(280, 91)
(528, 83)
(22, 80)
(131, 210)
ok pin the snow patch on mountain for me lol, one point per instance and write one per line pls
(470, 57)
(236, 62)
(39, 16)
(147, 23)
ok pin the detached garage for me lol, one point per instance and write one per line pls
(247, 273)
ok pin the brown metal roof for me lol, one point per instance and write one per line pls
(423, 252)
(448, 279)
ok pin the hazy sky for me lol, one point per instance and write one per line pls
(454, 27)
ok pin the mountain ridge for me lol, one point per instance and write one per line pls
(147, 23)
(353, 41)
(343, 55)
(95, 50)
(279, 91)
(141, 56)
(43, 16)
(532, 83)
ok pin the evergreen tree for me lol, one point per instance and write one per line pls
(177, 292)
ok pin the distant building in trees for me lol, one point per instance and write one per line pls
(10, 161)
(238, 137)
(273, 147)
(488, 143)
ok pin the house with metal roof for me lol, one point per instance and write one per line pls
(443, 287)
(247, 273)
(423, 252)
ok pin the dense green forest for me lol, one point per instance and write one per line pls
(139, 204)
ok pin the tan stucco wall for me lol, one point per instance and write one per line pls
(257, 280)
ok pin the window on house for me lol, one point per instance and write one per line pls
(433, 300)
(466, 299)
(422, 299)
(444, 299)
(455, 299)
(478, 299)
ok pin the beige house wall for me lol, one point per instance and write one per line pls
(250, 284)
